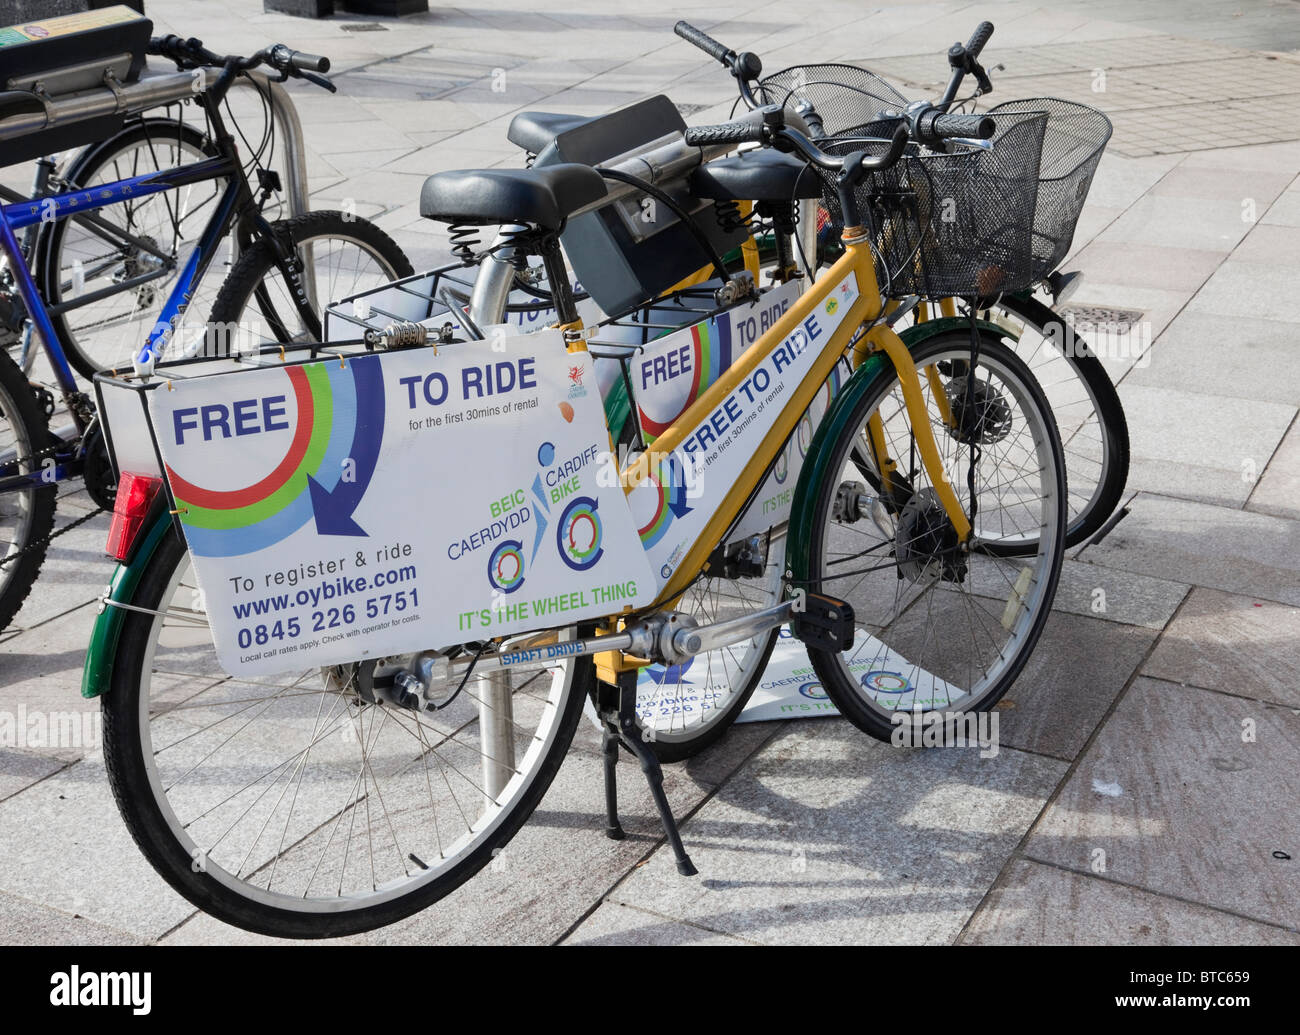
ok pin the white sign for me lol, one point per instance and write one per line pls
(674, 503)
(400, 501)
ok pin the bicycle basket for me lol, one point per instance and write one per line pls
(846, 97)
(1076, 136)
(956, 223)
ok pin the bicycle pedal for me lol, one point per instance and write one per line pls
(825, 623)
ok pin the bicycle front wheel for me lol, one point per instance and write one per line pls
(940, 625)
(345, 254)
(294, 807)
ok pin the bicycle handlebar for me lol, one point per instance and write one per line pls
(934, 125)
(191, 53)
(704, 41)
(983, 32)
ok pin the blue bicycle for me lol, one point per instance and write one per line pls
(286, 272)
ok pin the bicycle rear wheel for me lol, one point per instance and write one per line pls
(939, 627)
(26, 514)
(290, 805)
(76, 259)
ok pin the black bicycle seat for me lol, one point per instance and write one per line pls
(762, 175)
(533, 130)
(483, 197)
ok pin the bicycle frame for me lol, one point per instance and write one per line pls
(234, 209)
(867, 308)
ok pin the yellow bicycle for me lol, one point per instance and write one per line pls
(345, 796)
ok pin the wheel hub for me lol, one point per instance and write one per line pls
(980, 417)
(926, 544)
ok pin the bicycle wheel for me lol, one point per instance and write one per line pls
(290, 806)
(76, 259)
(348, 254)
(1089, 415)
(939, 628)
(26, 515)
(685, 708)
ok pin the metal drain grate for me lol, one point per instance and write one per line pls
(363, 27)
(1110, 317)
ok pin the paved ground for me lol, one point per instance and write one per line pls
(1150, 763)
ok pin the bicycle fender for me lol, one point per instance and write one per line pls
(816, 465)
(102, 649)
(920, 332)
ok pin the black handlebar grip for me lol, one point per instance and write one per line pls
(703, 40)
(747, 132)
(942, 127)
(983, 32)
(309, 62)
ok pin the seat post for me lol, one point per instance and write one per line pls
(558, 278)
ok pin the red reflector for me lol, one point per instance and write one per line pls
(135, 495)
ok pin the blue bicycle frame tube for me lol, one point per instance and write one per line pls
(19, 215)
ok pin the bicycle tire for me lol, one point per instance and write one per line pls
(125, 752)
(1101, 504)
(257, 264)
(83, 170)
(841, 685)
(19, 408)
(1110, 412)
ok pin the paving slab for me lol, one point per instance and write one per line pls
(20, 769)
(1233, 644)
(1124, 597)
(1242, 358)
(1233, 550)
(1218, 466)
(1043, 905)
(1147, 265)
(1074, 675)
(82, 859)
(23, 922)
(1175, 222)
(616, 924)
(828, 837)
(1252, 289)
(1278, 491)
(1169, 798)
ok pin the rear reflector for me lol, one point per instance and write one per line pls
(135, 495)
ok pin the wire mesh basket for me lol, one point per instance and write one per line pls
(956, 223)
(1075, 139)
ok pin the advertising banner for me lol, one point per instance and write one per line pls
(388, 503)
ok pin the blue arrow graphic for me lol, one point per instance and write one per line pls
(333, 508)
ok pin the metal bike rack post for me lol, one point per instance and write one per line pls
(496, 723)
(289, 130)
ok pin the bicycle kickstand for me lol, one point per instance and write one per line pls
(619, 726)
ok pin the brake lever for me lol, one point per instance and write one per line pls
(320, 81)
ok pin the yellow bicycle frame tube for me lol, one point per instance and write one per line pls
(857, 260)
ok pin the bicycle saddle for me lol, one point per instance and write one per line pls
(543, 197)
(764, 175)
(533, 130)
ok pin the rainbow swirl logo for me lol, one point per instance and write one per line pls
(670, 483)
(338, 431)
(711, 352)
(506, 566)
(884, 682)
(579, 534)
